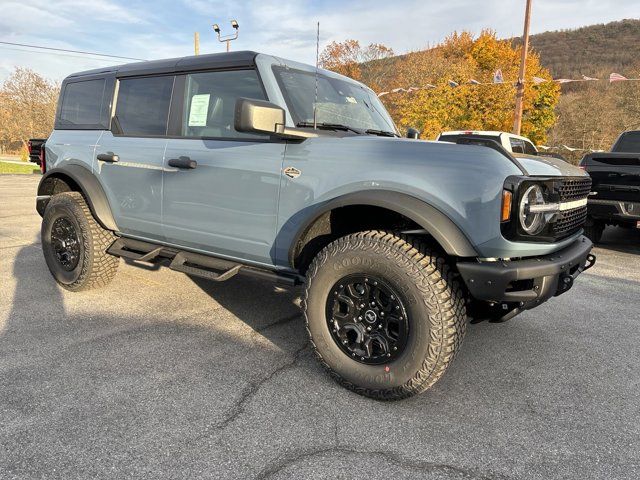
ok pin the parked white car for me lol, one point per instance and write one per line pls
(512, 143)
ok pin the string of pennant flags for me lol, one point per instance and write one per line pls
(498, 80)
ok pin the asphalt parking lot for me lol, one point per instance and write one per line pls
(165, 376)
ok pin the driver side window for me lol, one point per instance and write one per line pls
(210, 100)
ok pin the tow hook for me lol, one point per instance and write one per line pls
(566, 279)
(565, 283)
(591, 261)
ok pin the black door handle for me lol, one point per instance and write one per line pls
(183, 162)
(108, 157)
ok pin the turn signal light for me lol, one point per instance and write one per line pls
(507, 198)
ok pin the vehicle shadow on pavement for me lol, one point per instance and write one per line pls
(261, 305)
(623, 240)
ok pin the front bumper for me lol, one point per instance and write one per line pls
(524, 284)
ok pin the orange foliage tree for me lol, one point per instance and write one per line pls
(371, 64)
(460, 58)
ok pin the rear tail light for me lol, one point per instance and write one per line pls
(507, 198)
(43, 166)
(29, 146)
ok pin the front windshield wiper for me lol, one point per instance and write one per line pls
(382, 133)
(329, 126)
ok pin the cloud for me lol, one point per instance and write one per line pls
(287, 28)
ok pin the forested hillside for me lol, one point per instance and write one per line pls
(590, 115)
(591, 50)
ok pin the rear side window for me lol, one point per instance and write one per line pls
(82, 104)
(143, 105)
(210, 101)
(529, 149)
(517, 145)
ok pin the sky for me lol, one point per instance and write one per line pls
(287, 28)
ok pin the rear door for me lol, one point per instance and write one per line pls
(133, 184)
(82, 115)
(228, 204)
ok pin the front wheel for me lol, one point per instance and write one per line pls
(384, 314)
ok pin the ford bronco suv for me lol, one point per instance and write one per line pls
(244, 163)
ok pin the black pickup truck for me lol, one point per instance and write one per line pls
(615, 191)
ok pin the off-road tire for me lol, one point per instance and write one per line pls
(436, 312)
(593, 230)
(95, 267)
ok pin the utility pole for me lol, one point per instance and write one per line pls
(196, 43)
(517, 122)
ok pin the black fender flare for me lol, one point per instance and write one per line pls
(87, 184)
(436, 223)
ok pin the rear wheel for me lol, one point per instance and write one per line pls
(384, 314)
(75, 245)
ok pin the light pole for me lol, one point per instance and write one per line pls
(517, 122)
(227, 38)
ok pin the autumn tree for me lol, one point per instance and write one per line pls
(460, 58)
(27, 107)
(371, 65)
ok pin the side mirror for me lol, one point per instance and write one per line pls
(413, 133)
(260, 116)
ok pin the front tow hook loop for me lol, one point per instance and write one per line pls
(591, 261)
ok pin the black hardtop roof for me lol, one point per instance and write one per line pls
(200, 62)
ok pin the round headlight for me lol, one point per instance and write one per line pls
(532, 222)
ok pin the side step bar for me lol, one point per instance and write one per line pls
(195, 264)
(182, 263)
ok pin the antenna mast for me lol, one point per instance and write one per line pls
(315, 101)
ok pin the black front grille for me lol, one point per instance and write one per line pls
(574, 189)
(569, 222)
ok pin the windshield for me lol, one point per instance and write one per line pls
(339, 101)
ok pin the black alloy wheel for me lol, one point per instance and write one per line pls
(66, 243)
(367, 319)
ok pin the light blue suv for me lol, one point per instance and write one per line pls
(244, 163)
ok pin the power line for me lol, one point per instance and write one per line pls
(71, 51)
(59, 53)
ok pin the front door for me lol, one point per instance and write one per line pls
(227, 204)
(137, 141)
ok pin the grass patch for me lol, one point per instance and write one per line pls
(16, 168)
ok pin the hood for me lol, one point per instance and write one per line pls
(548, 166)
